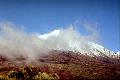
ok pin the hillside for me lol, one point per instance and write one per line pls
(67, 65)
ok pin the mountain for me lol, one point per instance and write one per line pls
(70, 41)
(59, 55)
(99, 50)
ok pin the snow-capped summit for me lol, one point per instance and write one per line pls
(53, 33)
(70, 40)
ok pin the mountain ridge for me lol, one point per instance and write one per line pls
(78, 45)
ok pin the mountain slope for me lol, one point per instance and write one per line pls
(68, 65)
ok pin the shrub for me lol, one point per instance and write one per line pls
(29, 73)
(3, 77)
(45, 76)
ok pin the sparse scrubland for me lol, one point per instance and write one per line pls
(59, 65)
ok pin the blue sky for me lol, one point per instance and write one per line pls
(46, 15)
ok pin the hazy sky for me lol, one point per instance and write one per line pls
(46, 15)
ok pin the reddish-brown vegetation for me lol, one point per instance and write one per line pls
(69, 65)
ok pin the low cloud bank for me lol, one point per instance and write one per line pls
(15, 42)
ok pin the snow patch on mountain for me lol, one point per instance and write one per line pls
(53, 33)
(70, 40)
(102, 51)
(15, 42)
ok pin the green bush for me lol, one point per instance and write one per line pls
(45, 76)
(3, 77)
(29, 73)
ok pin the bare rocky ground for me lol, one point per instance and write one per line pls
(67, 65)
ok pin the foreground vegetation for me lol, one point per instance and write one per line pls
(60, 65)
(28, 73)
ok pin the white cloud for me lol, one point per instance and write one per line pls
(15, 42)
